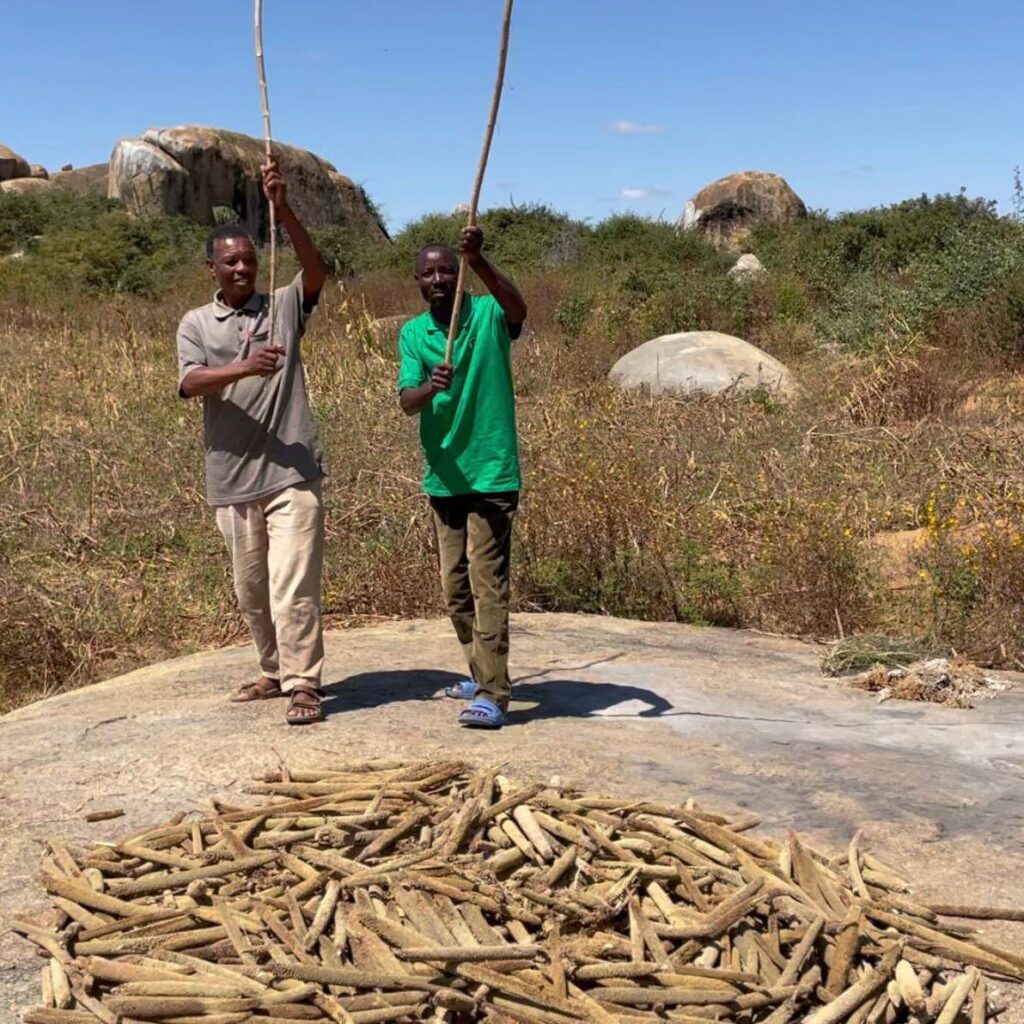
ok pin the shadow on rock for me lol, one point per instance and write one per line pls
(573, 698)
(549, 698)
(371, 689)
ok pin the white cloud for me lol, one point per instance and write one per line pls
(635, 128)
(640, 194)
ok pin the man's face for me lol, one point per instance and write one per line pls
(437, 271)
(234, 267)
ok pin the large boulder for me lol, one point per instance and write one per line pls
(91, 180)
(700, 362)
(38, 171)
(26, 185)
(12, 165)
(149, 181)
(747, 268)
(727, 210)
(193, 170)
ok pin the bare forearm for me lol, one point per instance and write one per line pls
(415, 400)
(208, 380)
(502, 288)
(314, 273)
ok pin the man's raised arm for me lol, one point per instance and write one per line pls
(503, 289)
(314, 272)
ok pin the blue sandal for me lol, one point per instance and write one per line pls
(466, 689)
(482, 714)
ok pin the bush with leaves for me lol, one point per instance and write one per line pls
(26, 216)
(628, 240)
(121, 254)
(516, 237)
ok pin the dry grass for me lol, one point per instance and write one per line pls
(860, 653)
(951, 682)
(732, 512)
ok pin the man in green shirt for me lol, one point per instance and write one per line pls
(468, 433)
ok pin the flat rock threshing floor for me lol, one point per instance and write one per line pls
(649, 710)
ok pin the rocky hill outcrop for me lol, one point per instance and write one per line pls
(18, 175)
(90, 180)
(11, 165)
(727, 210)
(194, 170)
(26, 185)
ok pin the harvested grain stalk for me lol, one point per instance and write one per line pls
(406, 892)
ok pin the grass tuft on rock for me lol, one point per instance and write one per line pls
(860, 653)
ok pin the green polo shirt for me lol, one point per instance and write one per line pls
(468, 432)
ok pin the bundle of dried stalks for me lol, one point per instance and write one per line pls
(951, 682)
(432, 891)
(864, 651)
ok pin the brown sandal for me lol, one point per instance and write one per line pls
(259, 690)
(303, 700)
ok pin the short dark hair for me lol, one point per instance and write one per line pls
(436, 247)
(224, 231)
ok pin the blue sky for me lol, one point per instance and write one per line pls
(608, 106)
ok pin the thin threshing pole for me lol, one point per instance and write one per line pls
(265, 102)
(460, 287)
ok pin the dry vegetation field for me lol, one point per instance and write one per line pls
(905, 327)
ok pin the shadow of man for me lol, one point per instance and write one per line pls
(577, 698)
(548, 698)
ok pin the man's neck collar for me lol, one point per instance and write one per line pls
(251, 305)
(445, 322)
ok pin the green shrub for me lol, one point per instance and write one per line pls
(974, 259)
(25, 216)
(516, 238)
(708, 590)
(692, 302)
(342, 252)
(886, 239)
(572, 312)
(533, 236)
(117, 253)
(633, 241)
(1014, 298)
(21, 218)
(788, 296)
(88, 243)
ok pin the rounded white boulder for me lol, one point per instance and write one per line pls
(701, 362)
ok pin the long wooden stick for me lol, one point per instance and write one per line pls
(265, 103)
(460, 286)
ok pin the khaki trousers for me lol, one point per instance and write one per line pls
(474, 541)
(276, 545)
